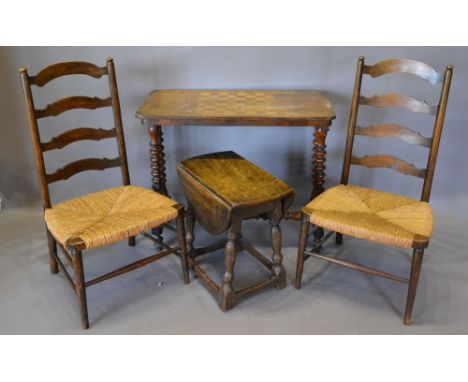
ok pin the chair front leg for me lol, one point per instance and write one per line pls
(413, 283)
(304, 233)
(338, 238)
(183, 245)
(80, 288)
(190, 236)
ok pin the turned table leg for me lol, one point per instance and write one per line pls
(227, 294)
(158, 166)
(319, 158)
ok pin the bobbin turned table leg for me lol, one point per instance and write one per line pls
(227, 294)
(158, 167)
(319, 158)
(275, 234)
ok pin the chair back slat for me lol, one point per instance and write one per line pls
(82, 165)
(79, 134)
(69, 103)
(397, 131)
(54, 71)
(393, 130)
(399, 65)
(399, 100)
(389, 161)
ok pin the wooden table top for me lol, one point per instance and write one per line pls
(237, 107)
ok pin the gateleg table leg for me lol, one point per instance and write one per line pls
(319, 158)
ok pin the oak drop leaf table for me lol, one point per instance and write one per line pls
(236, 108)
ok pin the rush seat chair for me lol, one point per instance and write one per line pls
(375, 215)
(104, 217)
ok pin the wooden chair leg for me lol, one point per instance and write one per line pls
(80, 287)
(190, 237)
(338, 238)
(413, 284)
(226, 294)
(158, 233)
(275, 234)
(183, 246)
(52, 253)
(304, 233)
(131, 241)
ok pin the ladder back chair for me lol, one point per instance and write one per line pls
(376, 215)
(103, 217)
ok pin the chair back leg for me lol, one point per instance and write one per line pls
(304, 233)
(80, 287)
(338, 238)
(183, 246)
(52, 253)
(276, 237)
(413, 283)
(190, 236)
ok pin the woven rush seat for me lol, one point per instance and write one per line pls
(222, 186)
(373, 215)
(103, 217)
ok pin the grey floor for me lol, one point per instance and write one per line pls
(153, 299)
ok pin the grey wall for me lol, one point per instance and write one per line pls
(285, 152)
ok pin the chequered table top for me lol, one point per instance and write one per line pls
(235, 104)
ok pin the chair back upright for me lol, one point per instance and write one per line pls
(78, 134)
(403, 133)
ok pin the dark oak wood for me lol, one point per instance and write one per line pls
(65, 272)
(222, 189)
(303, 235)
(117, 114)
(227, 294)
(53, 251)
(70, 103)
(399, 65)
(352, 122)
(82, 165)
(413, 284)
(399, 100)
(73, 253)
(276, 237)
(54, 71)
(397, 131)
(131, 267)
(182, 247)
(319, 158)
(75, 135)
(80, 287)
(387, 161)
(157, 158)
(245, 245)
(216, 199)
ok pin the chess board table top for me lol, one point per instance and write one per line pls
(237, 107)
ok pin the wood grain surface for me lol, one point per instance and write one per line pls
(248, 107)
